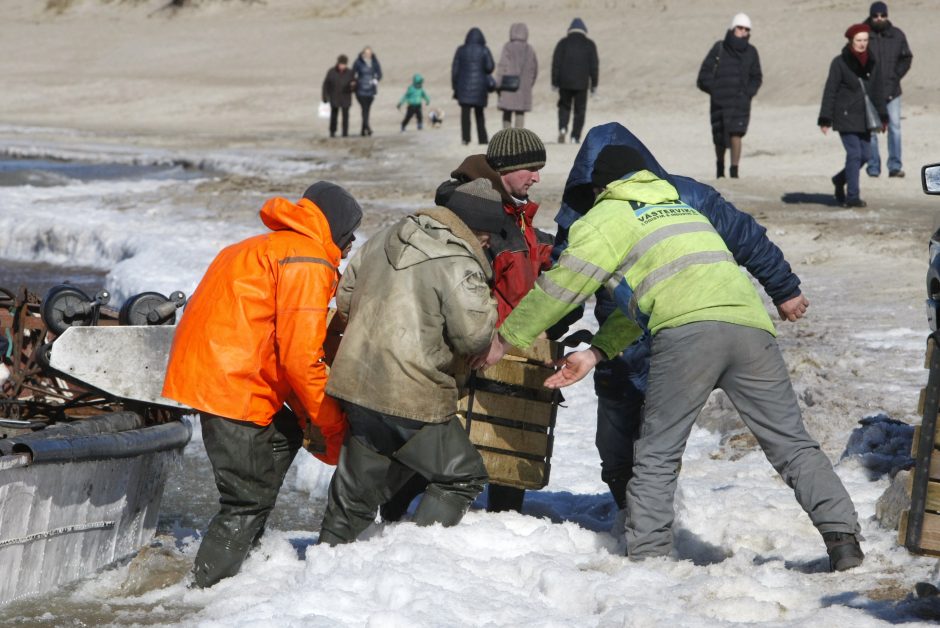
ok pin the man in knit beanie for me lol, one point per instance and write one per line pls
(519, 252)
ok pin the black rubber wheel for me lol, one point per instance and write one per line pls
(136, 309)
(66, 306)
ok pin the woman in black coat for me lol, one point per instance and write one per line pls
(844, 109)
(471, 81)
(731, 75)
(367, 73)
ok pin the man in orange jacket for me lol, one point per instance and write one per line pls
(252, 339)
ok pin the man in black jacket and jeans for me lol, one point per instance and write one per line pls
(574, 71)
(888, 46)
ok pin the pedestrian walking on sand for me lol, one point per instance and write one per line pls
(517, 69)
(574, 72)
(337, 90)
(367, 72)
(853, 105)
(471, 79)
(887, 44)
(413, 97)
(731, 75)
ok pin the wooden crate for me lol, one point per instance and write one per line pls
(929, 517)
(510, 416)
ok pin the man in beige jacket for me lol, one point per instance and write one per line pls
(417, 301)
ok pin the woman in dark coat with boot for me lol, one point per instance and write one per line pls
(367, 73)
(845, 110)
(471, 81)
(731, 75)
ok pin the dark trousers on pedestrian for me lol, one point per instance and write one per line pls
(482, 137)
(413, 111)
(249, 463)
(567, 97)
(857, 153)
(334, 114)
(383, 452)
(365, 102)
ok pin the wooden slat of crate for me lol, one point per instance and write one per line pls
(929, 534)
(510, 439)
(509, 470)
(931, 345)
(517, 373)
(541, 351)
(936, 440)
(932, 502)
(512, 408)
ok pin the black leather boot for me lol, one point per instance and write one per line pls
(844, 550)
(719, 169)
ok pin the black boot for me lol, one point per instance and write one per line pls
(839, 184)
(844, 550)
(719, 169)
(440, 506)
(734, 172)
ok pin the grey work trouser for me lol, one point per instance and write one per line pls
(687, 363)
(249, 463)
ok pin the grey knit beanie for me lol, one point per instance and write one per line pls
(515, 149)
(339, 208)
(478, 205)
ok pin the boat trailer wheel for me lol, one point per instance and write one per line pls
(151, 308)
(66, 306)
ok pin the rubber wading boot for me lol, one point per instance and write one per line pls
(844, 550)
(218, 558)
(440, 506)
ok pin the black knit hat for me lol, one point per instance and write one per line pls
(876, 8)
(478, 205)
(339, 208)
(515, 149)
(615, 161)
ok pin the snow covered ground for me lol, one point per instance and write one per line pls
(745, 552)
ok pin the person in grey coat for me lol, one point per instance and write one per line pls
(731, 75)
(518, 60)
(417, 301)
(471, 79)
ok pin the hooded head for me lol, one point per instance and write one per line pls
(515, 149)
(340, 209)
(577, 26)
(615, 161)
(417, 80)
(518, 32)
(478, 205)
(475, 36)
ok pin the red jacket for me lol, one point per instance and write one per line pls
(252, 334)
(521, 252)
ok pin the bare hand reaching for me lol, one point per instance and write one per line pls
(574, 367)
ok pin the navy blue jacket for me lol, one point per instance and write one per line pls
(364, 72)
(745, 237)
(471, 69)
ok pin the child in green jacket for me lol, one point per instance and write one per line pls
(413, 97)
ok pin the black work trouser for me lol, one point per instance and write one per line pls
(249, 463)
(482, 137)
(565, 99)
(365, 102)
(383, 452)
(334, 114)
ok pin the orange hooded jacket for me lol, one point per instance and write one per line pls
(252, 334)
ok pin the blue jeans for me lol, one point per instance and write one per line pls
(894, 141)
(857, 151)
